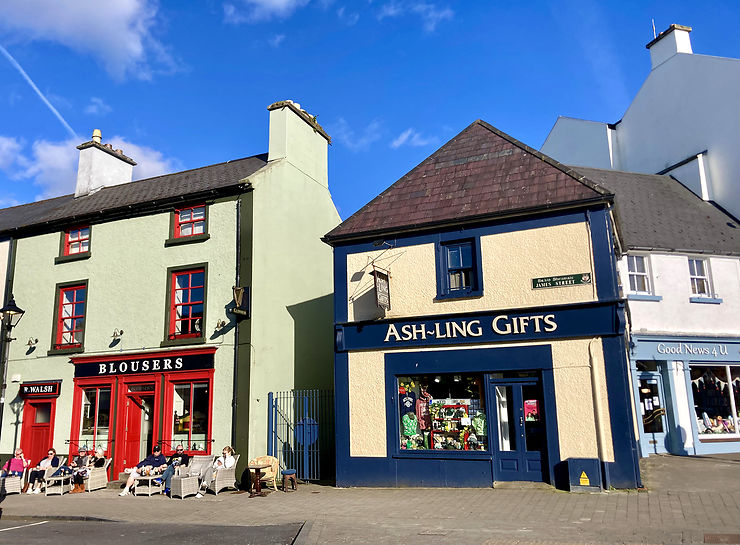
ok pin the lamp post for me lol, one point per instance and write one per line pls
(12, 314)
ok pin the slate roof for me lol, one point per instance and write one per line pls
(129, 198)
(481, 173)
(658, 213)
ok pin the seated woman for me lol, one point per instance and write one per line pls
(37, 474)
(226, 460)
(16, 465)
(81, 473)
(77, 463)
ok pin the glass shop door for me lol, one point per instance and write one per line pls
(519, 434)
(652, 410)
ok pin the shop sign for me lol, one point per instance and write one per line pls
(143, 365)
(560, 281)
(587, 319)
(40, 389)
(382, 289)
(691, 349)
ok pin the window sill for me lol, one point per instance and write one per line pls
(186, 240)
(63, 351)
(72, 257)
(733, 438)
(445, 454)
(706, 300)
(463, 295)
(643, 297)
(182, 342)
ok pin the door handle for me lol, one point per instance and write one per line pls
(521, 421)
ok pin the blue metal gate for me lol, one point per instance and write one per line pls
(300, 432)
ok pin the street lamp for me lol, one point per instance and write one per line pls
(12, 314)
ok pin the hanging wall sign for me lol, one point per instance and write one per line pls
(40, 389)
(561, 281)
(382, 289)
(145, 364)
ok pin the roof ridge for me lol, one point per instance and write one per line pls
(546, 158)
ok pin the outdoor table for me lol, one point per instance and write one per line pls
(147, 484)
(258, 472)
(58, 484)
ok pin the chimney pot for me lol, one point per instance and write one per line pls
(96, 136)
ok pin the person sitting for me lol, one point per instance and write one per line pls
(151, 464)
(37, 474)
(77, 463)
(82, 472)
(226, 460)
(16, 465)
(179, 458)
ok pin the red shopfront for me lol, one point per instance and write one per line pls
(130, 403)
(39, 414)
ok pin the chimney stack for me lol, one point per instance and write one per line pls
(100, 166)
(296, 136)
(675, 39)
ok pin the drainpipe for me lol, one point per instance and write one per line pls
(235, 389)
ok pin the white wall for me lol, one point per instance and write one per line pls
(580, 142)
(675, 314)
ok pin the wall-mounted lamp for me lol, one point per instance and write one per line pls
(13, 314)
(117, 333)
(220, 324)
(32, 342)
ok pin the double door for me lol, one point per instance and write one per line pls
(138, 436)
(519, 435)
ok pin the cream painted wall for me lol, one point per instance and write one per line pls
(574, 395)
(510, 262)
(4, 257)
(127, 285)
(293, 288)
(675, 314)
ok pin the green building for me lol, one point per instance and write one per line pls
(165, 310)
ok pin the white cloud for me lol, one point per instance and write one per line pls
(276, 40)
(10, 149)
(431, 14)
(52, 166)
(119, 33)
(345, 135)
(251, 11)
(350, 19)
(410, 137)
(97, 107)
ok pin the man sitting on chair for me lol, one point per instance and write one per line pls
(153, 463)
(179, 458)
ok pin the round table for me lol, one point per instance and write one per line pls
(258, 472)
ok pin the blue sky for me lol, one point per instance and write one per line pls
(180, 85)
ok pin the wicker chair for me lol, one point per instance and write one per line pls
(187, 482)
(13, 484)
(269, 475)
(59, 484)
(97, 478)
(224, 478)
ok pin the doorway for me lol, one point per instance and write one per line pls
(138, 438)
(652, 410)
(37, 433)
(519, 433)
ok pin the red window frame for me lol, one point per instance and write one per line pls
(181, 312)
(77, 235)
(76, 429)
(192, 377)
(188, 213)
(79, 296)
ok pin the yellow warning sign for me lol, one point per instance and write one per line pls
(584, 479)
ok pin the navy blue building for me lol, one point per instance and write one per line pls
(479, 330)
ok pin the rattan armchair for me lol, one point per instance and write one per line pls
(97, 478)
(187, 481)
(13, 484)
(224, 478)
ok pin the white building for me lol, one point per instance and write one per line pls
(684, 122)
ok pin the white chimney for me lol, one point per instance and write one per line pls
(669, 42)
(100, 166)
(296, 136)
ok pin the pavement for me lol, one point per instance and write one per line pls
(687, 500)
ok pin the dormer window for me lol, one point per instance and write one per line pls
(77, 241)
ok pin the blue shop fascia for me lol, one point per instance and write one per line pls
(437, 382)
(691, 387)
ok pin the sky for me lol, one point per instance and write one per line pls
(179, 85)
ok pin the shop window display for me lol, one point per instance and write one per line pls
(190, 416)
(716, 396)
(442, 412)
(95, 418)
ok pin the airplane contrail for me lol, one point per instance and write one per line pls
(38, 92)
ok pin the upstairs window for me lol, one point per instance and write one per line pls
(459, 269)
(639, 274)
(77, 241)
(700, 280)
(187, 304)
(190, 221)
(70, 319)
